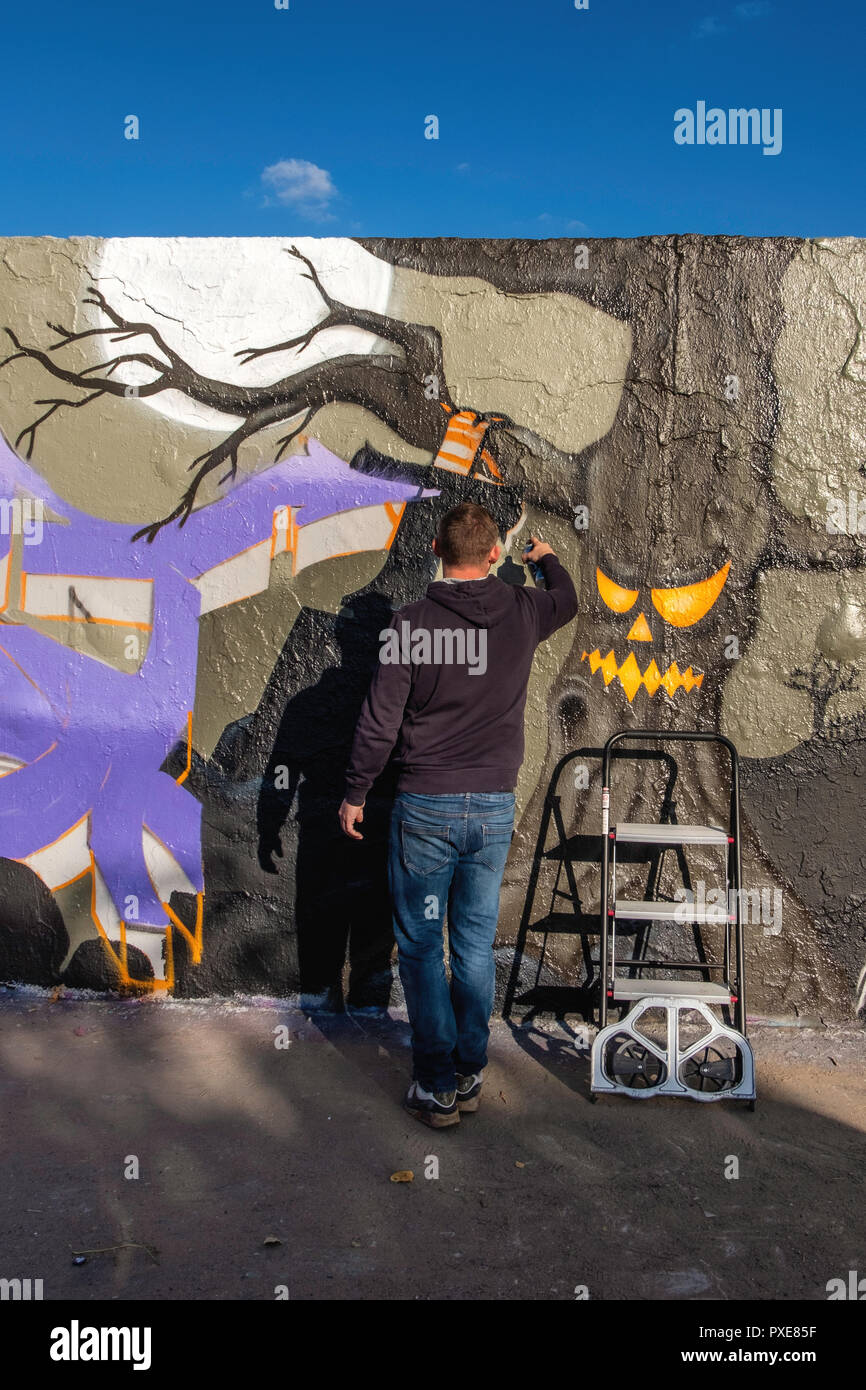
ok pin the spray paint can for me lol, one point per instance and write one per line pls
(534, 570)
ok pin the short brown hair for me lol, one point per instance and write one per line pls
(467, 534)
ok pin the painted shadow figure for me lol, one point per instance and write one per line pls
(341, 896)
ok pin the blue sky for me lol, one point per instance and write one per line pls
(553, 121)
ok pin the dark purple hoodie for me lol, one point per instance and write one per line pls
(450, 688)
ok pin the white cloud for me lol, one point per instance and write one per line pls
(570, 224)
(299, 184)
(712, 26)
(708, 28)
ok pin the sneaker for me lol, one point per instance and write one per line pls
(434, 1108)
(469, 1091)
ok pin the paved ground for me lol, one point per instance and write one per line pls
(539, 1193)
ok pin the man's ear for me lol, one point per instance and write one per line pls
(435, 545)
(494, 555)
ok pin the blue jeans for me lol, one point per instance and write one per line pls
(448, 853)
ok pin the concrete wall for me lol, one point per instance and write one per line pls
(222, 464)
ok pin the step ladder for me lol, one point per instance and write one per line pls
(627, 1059)
(564, 909)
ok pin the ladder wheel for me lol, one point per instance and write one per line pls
(711, 1069)
(628, 1063)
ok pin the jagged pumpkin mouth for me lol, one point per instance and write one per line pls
(631, 678)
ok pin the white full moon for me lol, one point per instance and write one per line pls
(212, 297)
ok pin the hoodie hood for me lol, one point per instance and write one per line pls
(482, 602)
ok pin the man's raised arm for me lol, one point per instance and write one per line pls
(557, 604)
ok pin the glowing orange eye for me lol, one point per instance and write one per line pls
(620, 600)
(682, 607)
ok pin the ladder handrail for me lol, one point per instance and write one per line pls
(734, 857)
(662, 736)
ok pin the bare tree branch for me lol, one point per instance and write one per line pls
(287, 439)
(55, 403)
(421, 343)
(395, 387)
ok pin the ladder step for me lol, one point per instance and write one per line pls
(654, 911)
(672, 989)
(646, 833)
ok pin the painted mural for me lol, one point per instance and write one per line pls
(221, 467)
(87, 741)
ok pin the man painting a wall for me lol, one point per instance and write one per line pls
(458, 729)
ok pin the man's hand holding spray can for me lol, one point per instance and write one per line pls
(532, 553)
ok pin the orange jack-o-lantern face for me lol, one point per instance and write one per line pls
(678, 607)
